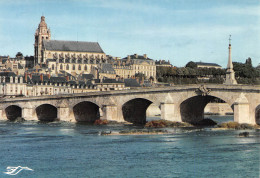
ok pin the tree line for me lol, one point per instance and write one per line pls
(245, 73)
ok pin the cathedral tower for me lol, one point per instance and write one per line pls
(42, 33)
(230, 74)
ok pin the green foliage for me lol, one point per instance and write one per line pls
(235, 125)
(19, 55)
(140, 75)
(191, 64)
(245, 74)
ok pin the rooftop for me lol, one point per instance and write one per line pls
(207, 64)
(77, 46)
(136, 56)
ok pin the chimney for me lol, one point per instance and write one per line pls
(67, 78)
(41, 77)
(49, 76)
(145, 56)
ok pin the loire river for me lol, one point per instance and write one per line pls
(72, 150)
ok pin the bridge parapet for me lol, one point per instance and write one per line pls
(169, 99)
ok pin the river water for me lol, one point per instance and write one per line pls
(61, 149)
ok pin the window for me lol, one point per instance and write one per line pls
(61, 67)
(67, 60)
(73, 67)
(79, 67)
(52, 67)
(85, 68)
(67, 67)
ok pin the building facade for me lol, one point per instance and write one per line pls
(39, 85)
(134, 64)
(207, 65)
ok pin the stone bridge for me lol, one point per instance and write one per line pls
(177, 103)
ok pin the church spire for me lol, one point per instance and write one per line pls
(42, 33)
(230, 74)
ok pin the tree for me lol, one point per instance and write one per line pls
(140, 75)
(191, 64)
(19, 55)
(249, 61)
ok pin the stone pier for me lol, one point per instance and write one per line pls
(169, 111)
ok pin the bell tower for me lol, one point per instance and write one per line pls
(42, 33)
(230, 74)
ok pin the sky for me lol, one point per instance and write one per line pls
(175, 30)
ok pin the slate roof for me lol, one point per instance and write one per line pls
(87, 76)
(207, 64)
(138, 57)
(107, 68)
(37, 79)
(4, 61)
(9, 74)
(131, 83)
(108, 80)
(77, 46)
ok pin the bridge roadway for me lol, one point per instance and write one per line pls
(182, 103)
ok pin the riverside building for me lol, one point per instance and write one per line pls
(12, 85)
(134, 64)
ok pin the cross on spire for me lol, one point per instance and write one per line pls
(229, 39)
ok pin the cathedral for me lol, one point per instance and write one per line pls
(78, 57)
(75, 57)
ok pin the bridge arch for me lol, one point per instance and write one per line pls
(192, 109)
(134, 110)
(13, 112)
(257, 115)
(86, 111)
(46, 112)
